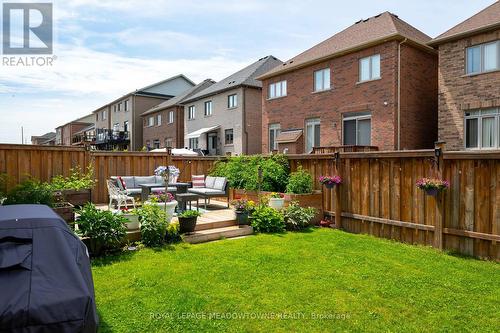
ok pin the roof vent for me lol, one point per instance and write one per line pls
(378, 15)
(359, 21)
(290, 61)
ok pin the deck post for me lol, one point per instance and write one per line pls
(439, 167)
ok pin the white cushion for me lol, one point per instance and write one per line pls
(210, 182)
(144, 180)
(205, 191)
(220, 183)
(158, 179)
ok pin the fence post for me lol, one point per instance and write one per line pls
(438, 230)
(337, 195)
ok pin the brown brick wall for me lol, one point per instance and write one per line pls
(140, 105)
(346, 96)
(458, 92)
(174, 131)
(253, 121)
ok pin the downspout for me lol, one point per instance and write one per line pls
(399, 92)
(244, 123)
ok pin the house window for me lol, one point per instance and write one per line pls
(119, 106)
(158, 119)
(191, 112)
(369, 68)
(232, 101)
(125, 105)
(169, 142)
(171, 117)
(208, 108)
(274, 130)
(312, 134)
(277, 89)
(228, 134)
(322, 79)
(104, 115)
(97, 116)
(357, 130)
(151, 121)
(114, 108)
(482, 129)
(193, 143)
(483, 58)
(156, 144)
(125, 126)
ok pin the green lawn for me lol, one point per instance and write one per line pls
(318, 281)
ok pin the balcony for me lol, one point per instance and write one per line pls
(82, 139)
(109, 136)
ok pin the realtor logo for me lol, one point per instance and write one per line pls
(27, 28)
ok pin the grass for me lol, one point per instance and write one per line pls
(317, 281)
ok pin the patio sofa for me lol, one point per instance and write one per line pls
(215, 187)
(133, 184)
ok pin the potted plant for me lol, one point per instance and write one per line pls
(64, 209)
(276, 200)
(132, 217)
(330, 181)
(187, 221)
(166, 201)
(76, 189)
(432, 186)
(242, 209)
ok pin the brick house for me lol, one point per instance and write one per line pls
(65, 133)
(164, 123)
(469, 82)
(372, 84)
(227, 116)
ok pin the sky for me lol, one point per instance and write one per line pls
(107, 48)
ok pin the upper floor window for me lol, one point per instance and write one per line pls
(369, 68)
(208, 108)
(158, 120)
(125, 105)
(151, 121)
(104, 115)
(97, 116)
(357, 130)
(277, 89)
(170, 117)
(119, 106)
(114, 108)
(482, 129)
(322, 79)
(191, 112)
(483, 58)
(232, 101)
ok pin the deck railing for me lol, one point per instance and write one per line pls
(346, 148)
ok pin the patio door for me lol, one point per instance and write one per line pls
(312, 134)
(212, 143)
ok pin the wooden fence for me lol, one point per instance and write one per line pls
(378, 195)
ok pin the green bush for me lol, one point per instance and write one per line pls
(267, 219)
(173, 234)
(242, 172)
(153, 225)
(77, 180)
(105, 229)
(300, 182)
(30, 191)
(297, 218)
(189, 213)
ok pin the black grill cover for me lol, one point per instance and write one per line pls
(45, 276)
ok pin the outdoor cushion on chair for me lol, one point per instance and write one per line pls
(198, 181)
(144, 180)
(220, 183)
(206, 191)
(209, 182)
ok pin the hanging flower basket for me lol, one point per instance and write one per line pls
(330, 181)
(432, 186)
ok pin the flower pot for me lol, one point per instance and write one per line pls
(133, 222)
(329, 185)
(77, 198)
(66, 211)
(276, 203)
(432, 191)
(169, 207)
(187, 224)
(242, 218)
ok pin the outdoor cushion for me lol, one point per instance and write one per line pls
(158, 179)
(134, 191)
(129, 181)
(209, 182)
(144, 180)
(198, 181)
(220, 183)
(122, 183)
(209, 191)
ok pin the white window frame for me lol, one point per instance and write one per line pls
(156, 144)
(151, 121)
(125, 105)
(119, 107)
(370, 68)
(479, 115)
(169, 142)
(232, 101)
(193, 143)
(170, 117)
(276, 128)
(158, 119)
(481, 58)
(191, 112)
(311, 122)
(325, 84)
(277, 90)
(357, 118)
(225, 136)
(208, 107)
(104, 115)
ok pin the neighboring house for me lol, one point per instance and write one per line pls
(84, 137)
(64, 133)
(46, 139)
(119, 123)
(164, 123)
(469, 82)
(227, 116)
(372, 84)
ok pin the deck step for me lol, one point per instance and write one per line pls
(214, 224)
(208, 235)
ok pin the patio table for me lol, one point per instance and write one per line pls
(146, 189)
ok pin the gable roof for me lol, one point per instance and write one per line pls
(374, 30)
(177, 100)
(245, 77)
(487, 19)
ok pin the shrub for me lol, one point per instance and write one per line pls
(105, 229)
(173, 234)
(189, 213)
(242, 172)
(300, 182)
(77, 180)
(297, 218)
(267, 219)
(30, 191)
(153, 225)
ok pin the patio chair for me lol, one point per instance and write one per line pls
(115, 194)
